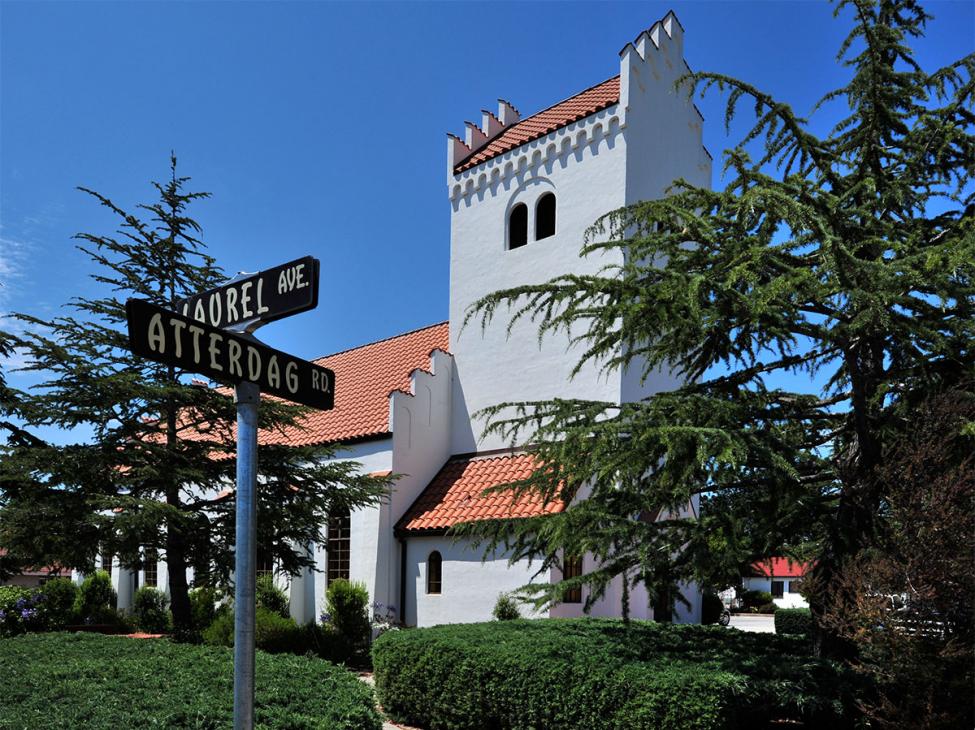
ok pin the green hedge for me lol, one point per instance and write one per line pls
(93, 681)
(278, 635)
(797, 621)
(599, 673)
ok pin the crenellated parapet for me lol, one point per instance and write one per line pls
(475, 137)
(574, 140)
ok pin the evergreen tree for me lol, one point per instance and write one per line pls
(846, 259)
(156, 471)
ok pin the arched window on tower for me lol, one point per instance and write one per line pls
(518, 226)
(434, 572)
(545, 216)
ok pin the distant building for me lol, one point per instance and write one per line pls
(31, 577)
(780, 577)
(522, 193)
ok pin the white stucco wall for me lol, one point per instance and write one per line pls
(470, 587)
(583, 164)
(791, 598)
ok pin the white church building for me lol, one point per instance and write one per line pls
(522, 192)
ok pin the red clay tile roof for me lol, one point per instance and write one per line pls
(590, 101)
(364, 378)
(781, 568)
(456, 494)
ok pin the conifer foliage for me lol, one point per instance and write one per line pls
(156, 473)
(845, 259)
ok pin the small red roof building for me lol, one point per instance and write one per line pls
(780, 568)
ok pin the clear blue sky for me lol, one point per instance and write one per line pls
(320, 127)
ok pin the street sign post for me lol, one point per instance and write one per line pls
(164, 336)
(209, 336)
(253, 300)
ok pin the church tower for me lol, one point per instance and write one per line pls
(523, 192)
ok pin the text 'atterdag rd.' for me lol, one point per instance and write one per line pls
(171, 338)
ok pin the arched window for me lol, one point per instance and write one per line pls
(434, 572)
(337, 546)
(518, 226)
(545, 217)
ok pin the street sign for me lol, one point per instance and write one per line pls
(257, 299)
(167, 337)
(207, 336)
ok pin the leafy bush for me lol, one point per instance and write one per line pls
(601, 674)
(20, 610)
(755, 599)
(278, 635)
(506, 608)
(95, 597)
(203, 607)
(151, 610)
(711, 608)
(796, 621)
(60, 595)
(346, 611)
(92, 681)
(271, 597)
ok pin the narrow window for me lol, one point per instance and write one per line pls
(150, 570)
(434, 573)
(518, 226)
(264, 564)
(777, 589)
(337, 546)
(572, 568)
(545, 217)
(107, 562)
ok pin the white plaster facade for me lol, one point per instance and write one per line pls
(628, 151)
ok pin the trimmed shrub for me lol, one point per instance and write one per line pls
(600, 674)
(91, 681)
(346, 611)
(278, 635)
(60, 595)
(95, 598)
(150, 607)
(506, 608)
(203, 607)
(756, 599)
(271, 597)
(797, 621)
(711, 608)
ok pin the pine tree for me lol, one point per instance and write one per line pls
(846, 259)
(156, 471)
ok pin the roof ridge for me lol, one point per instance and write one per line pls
(568, 98)
(385, 339)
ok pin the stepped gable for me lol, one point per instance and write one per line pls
(590, 101)
(364, 378)
(456, 494)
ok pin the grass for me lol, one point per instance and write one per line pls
(94, 681)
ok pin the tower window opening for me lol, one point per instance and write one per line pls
(545, 217)
(518, 226)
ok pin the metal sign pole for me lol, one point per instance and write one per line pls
(247, 396)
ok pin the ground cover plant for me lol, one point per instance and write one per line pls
(600, 673)
(94, 681)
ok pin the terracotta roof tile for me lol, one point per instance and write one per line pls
(456, 494)
(590, 101)
(364, 378)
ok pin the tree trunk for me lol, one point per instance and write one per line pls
(625, 605)
(179, 596)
